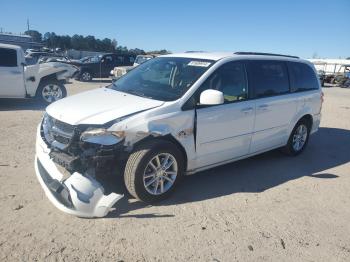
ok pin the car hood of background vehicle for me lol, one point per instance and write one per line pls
(98, 106)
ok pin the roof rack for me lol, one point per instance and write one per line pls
(192, 51)
(257, 53)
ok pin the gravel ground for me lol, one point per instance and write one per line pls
(270, 207)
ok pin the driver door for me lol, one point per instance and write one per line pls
(224, 132)
(107, 65)
(11, 74)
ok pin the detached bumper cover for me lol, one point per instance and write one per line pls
(78, 195)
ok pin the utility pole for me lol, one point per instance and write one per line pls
(27, 24)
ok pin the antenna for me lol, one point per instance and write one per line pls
(27, 24)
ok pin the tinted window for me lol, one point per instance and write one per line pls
(8, 57)
(268, 78)
(302, 77)
(229, 79)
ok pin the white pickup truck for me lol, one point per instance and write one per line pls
(19, 80)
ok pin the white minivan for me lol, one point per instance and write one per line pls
(172, 116)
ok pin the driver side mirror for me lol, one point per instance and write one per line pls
(211, 97)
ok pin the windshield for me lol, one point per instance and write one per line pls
(162, 78)
(94, 59)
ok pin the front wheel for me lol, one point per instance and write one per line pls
(153, 170)
(86, 76)
(298, 138)
(51, 91)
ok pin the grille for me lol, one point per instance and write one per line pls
(57, 133)
(63, 126)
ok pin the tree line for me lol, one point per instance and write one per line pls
(86, 43)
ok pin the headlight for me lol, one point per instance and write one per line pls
(102, 136)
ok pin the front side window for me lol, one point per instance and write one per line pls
(302, 77)
(163, 78)
(231, 80)
(268, 78)
(8, 57)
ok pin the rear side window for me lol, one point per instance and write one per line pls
(268, 78)
(302, 77)
(8, 57)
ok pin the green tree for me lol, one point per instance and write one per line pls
(36, 36)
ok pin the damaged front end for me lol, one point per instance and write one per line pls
(72, 163)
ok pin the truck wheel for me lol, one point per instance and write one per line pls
(153, 170)
(85, 76)
(298, 138)
(51, 91)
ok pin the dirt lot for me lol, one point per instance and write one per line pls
(270, 207)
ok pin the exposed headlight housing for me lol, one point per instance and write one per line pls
(102, 136)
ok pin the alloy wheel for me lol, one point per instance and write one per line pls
(51, 93)
(299, 137)
(160, 174)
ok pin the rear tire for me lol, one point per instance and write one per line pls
(50, 91)
(145, 177)
(298, 139)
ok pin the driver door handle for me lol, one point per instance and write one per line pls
(263, 107)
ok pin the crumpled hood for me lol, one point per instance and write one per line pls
(98, 106)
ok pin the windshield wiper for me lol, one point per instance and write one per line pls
(137, 93)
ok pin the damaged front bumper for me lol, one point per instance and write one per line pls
(79, 194)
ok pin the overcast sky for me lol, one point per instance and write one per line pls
(302, 28)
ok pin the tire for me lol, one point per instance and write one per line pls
(85, 76)
(138, 170)
(53, 89)
(291, 148)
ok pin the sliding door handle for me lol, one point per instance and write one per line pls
(247, 110)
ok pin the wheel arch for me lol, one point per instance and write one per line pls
(309, 120)
(82, 70)
(47, 78)
(168, 138)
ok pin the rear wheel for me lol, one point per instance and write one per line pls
(153, 170)
(298, 138)
(51, 91)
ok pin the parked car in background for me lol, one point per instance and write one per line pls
(174, 115)
(19, 80)
(122, 70)
(101, 66)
